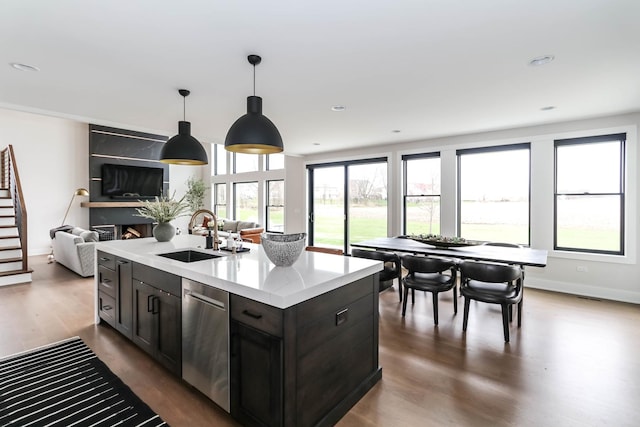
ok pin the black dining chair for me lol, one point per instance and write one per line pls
(507, 245)
(493, 284)
(392, 267)
(428, 274)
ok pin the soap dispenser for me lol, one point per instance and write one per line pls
(209, 240)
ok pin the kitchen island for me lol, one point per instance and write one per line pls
(299, 344)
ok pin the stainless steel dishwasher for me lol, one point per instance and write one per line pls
(205, 340)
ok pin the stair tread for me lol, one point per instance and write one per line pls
(7, 226)
(8, 260)
(9, 248)
(10, 237)
(15, 272)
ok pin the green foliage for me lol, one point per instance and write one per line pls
(163, 209)
(194, 196)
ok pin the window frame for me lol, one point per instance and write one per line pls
(419, 156)
(268, 205)
(215, 198)
(491, 149)
(622, 139)
(235, 199)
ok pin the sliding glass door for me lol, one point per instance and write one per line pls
(347, 202)
(327, 219)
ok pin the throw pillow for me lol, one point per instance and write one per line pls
(90, 236)
(76, 231)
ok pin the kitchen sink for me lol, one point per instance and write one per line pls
(189, 256)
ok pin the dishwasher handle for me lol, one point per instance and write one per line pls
(205, 299)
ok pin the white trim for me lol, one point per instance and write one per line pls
(601, 292)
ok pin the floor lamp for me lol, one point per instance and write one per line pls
(78, 192)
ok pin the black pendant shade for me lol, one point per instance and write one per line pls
(253, 133)
(183, 149)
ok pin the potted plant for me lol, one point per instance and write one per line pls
(163, 210)
(195, 193)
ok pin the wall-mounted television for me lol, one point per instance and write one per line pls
(135, 182)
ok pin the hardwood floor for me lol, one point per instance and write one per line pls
(574, 362)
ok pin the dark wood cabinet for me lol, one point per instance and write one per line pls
(306, 365)
(115, 292)
(256, 376)
(157, 317)
(124, 297)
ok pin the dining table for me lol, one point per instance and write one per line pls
(481, 252)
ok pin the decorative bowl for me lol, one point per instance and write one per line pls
(283, 249)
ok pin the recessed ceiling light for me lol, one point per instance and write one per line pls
(338, 108)
(541, 60)
(396, 131)
(23, 67)
(548, 108)
(316, 143)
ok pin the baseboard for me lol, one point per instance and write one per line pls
(584, 290)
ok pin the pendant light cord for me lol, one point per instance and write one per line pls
(184, 108)
(254, 79)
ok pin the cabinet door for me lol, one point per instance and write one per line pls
(124, 297)
(144, 325)
(256, 376)
(169, 329)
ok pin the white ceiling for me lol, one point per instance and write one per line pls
(428, 68)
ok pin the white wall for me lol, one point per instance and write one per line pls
(52, 156)
(607, 277)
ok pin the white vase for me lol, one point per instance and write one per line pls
(164, 231)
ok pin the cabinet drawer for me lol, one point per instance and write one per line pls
(107, 281)
(159, 279)
(107, 308)
(106, 260)
(256, 314)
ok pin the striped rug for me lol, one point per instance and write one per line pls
(65, 384)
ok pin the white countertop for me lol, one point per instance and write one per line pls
(249, 274)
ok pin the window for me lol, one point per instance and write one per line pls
(589, 194)
(245, 195)
(245, 162)
(275, 161)
(220, 156)
(220, 200)
(421, 193)
(275, 206)
(493, 194)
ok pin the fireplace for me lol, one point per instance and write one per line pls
(124, 231)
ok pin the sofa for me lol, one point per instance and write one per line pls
(75, 249)
(249, 231)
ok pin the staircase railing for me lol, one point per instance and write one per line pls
(11, 181)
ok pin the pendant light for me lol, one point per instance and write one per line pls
(183, 149)
(253, 133)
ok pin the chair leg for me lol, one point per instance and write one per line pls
(505, 321)
(455, 300)
(520, 313)
(413, 296)
(510, 314)
(404, 303)
(466, 313)
(400, 288)
(435, 307)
